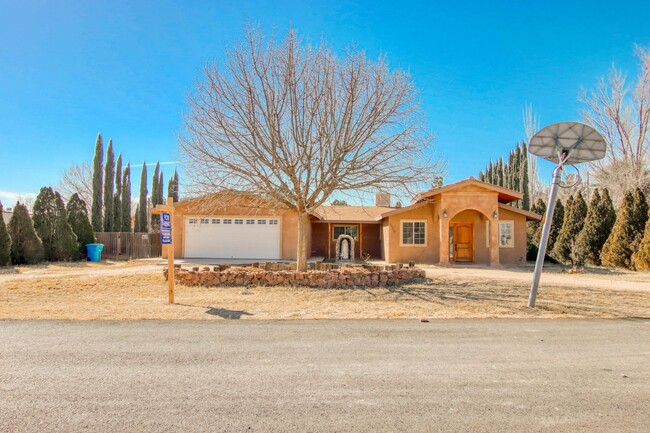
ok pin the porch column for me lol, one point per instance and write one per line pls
(360, 240)
(329, 241)
(494, 242)
(444, 241)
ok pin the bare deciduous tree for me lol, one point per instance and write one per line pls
(293, 123)
(531, 126)
(622, 115)
(78, 178)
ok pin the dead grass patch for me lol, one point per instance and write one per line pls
(131, 292)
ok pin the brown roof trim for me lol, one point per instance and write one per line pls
(406, 208)
(505, 195)
(530, 216)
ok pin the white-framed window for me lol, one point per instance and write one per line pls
(239, 221)
(205, 220)
(193, 221)
(273, 222)
(250, 221)
(216, 221)
(506, 234)
(227, 221)
(261, 221)
(344, 230)
(414, 232)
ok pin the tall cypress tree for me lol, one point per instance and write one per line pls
(67, 245)
(525, 187)
(126, 199)
(26, 247)
(142, 205)
(109, 184)
(117, 198)
(98, 171)
(172, 187)
(137, 224)
(5, 241)
(598, 225)
(78, 220)
(617, 251)
(156, 192)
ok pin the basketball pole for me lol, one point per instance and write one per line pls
(546, 230)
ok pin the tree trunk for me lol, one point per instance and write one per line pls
(304, 233)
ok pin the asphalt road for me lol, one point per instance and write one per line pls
(365, 376)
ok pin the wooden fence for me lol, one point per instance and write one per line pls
(128, 246)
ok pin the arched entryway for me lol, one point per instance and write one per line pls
(469, 237)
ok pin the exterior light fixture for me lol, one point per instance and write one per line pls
(495, 214)
(444, 213)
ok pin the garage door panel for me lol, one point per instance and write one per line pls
(230, 237)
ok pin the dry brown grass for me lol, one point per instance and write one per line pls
(130, 291)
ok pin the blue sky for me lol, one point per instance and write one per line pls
(70, 69)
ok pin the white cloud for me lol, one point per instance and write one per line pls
(9, 198)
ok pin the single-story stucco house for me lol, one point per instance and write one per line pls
(466, 221)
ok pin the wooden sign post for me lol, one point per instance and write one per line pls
(167, 238)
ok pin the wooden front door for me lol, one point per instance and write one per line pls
(462, 242)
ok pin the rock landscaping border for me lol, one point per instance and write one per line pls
(276, 274)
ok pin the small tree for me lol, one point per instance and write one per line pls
(617, 251)
(126, 199)
(109, 185)
(641, 258)
(98, 169)
(117, 197)
(5, 241)
(598, 225)
(26, 247)
(78, 220)
(574, 219)
(51, 225)
(639, 217)
(141, 212)
(78, 178)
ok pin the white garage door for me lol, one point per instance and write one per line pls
(229, 237)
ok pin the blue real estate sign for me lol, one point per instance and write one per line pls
(165, 229)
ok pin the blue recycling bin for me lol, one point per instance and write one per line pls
(94, 252)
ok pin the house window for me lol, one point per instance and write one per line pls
(227, 221)
(261, 221)
(216, 221)
(345, 230)
(506, 234)
(414, 233)
(205, 220)
(239, 221)
(250, 221)
(273, 222)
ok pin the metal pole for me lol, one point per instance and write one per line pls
(546, 229)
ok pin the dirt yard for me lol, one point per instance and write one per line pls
(137, 290)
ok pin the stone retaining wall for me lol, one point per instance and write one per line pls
(343, 277)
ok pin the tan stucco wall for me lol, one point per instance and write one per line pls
(392, 230)
(288, 224)
(516, 255)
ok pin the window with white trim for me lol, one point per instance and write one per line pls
(250, 221)
(193, 221)
(227, 221)
(506, 234)
(205, 220)
(344, 230)
(273, 222)
(414, 233)
(239, 221)
(216, 221)
(261, 221)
